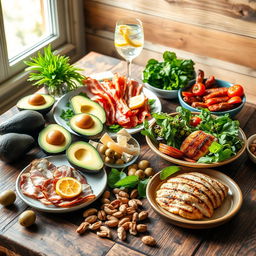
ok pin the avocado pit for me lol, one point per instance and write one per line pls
(84, 121)
(36, 100)
(55, 137)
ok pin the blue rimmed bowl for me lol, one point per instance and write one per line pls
(220, 83)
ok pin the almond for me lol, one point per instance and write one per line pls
(123, 220)
(91, 219)
(148, 240)
(83, 227)
(112, 223)
(133, 203)
(116, 203)
(102, 215)
(123, 194)
(118, 214)
(130, 210)
(142, 228)
(106, 194)
(135, 217)
(116, 190)
(89, 212)
(105, 201)
(124, 200)
(139, 203)
(106, 229)
(134, 193)
(122, 208)
(133, 230)
(126, 225)
(143, 215)
(109, 211)
(95, 225)
(121, 233)
(102, 234)
(110, 217)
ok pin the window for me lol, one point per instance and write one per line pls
(28, 26)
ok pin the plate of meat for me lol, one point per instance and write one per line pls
(126, 104)
(45, 185)
(199, 199)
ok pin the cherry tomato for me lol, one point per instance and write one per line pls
(198, 89)
(236, 90)
(235, 100)
(187, 94)
(195, 121)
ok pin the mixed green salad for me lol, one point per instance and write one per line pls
(172, 130)
(171, 74)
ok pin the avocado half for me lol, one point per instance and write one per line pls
(83, 156)
(54, 149)
(94, 130)
(81, 104)
(23, 103)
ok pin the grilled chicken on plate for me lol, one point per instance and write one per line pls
(191, 195)
(197, 144)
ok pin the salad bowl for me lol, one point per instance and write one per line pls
(154, 146)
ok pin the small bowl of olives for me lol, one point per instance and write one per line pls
(116, 160)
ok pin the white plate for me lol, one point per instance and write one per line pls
(97, 182)
(62, 105)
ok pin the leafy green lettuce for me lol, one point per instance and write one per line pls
(171, 74)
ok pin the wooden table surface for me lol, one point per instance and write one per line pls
(54, 234)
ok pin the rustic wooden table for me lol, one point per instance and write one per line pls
(54, 234)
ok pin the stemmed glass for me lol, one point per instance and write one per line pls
(129, 40)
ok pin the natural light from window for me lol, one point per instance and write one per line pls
(26, 24)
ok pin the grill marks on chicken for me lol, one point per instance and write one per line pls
(192, 195)
(197, 144)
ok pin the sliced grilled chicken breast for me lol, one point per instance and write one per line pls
(197, 144)
(209, 186)
(191, 195)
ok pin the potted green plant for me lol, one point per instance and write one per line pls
(54, 72)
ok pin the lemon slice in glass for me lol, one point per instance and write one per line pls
(68, 187)
(137, 101)
(125, 31)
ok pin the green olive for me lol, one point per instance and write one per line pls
(149, 172)
(7, 197)
(119, 161)
(102, 149)
(143, 164)
(109, 160)
(117, 155)
(133, 166)
(27, 218)
(110, 153)
(131, 171)
(140, 174)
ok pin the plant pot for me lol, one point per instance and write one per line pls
(57, 91)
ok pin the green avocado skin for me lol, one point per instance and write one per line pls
(14, 145)
(24, 122)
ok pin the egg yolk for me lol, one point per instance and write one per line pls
(84, 121)
(55, 137)
(36, 100)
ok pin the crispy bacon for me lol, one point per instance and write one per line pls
(114, 96)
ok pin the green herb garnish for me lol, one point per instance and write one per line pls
(67, 114)
(168, 171)
(171, 74)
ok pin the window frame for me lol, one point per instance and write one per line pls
(71, 42)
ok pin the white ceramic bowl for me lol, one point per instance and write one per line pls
(249, 141)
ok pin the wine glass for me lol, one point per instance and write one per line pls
(129, 40)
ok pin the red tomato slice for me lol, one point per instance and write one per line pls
(171, 151)
(188, 94)
(198, 89)
(235, 100)
(195, 121)
(236, 90)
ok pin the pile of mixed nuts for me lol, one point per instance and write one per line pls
(123, 213)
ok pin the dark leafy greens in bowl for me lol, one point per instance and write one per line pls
(171, 74)
(172, 129)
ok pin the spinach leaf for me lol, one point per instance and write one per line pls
(128, 182)
(168, 171)
(113, 177)
(142, 187)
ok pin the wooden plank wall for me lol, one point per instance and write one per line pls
(220, 35)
